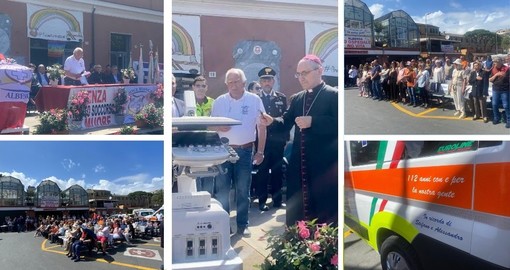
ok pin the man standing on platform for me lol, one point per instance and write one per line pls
(312, 176)
(246, 107)
(74, 67)
(270, 170)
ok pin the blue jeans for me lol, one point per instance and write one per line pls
(498, 96)
(76, 247)
(376, 86)
(239, 176)
(412, 95)
(205, 184)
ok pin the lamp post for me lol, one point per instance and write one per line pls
(496, 42)
(427, 31)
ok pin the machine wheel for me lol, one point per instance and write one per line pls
(397, 254)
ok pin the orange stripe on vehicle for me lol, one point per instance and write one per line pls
(492, 188)
(447, 185)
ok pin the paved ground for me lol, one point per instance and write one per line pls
(23, 251)
(358, 255)
(365, 116)
(252, 250)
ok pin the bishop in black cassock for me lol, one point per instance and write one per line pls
(312, 175)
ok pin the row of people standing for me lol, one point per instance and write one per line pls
(259, 140)
(414, 82)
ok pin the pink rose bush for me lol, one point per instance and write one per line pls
(78, 108)
(306, 245)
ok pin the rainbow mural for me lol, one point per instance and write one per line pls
(324, 43)
(183, 51)
(181, 40)
(40, 17)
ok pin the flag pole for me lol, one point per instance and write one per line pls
(140, 66)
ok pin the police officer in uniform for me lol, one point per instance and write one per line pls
(270, 170)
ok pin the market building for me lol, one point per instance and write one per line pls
(208, 38)
(49, 199)
(110, 32)
(394, 36)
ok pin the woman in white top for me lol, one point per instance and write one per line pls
(457, 88)
(438, 77)
(384, 80)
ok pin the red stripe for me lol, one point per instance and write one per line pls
(383, 204)
(397, 154)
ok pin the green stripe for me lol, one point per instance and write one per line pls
(380, 156)
(372, 210)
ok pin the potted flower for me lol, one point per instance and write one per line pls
(55, 73)
(119, 101)
(157, 96)
(128, 74)
(149, 116)
(306, 245)
(78, 107)
(53, 122)
(127, 130)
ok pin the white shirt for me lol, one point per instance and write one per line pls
(74, 66)
(177, 107)
(246, 109)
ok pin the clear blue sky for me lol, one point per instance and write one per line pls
(452, 16)
(119, 166)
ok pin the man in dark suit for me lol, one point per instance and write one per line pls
(42, 77)
(275, 104)
(312, 175)
(112, 77)
(97, 76)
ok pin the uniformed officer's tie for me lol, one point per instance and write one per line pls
(265, 101)
(308, 100)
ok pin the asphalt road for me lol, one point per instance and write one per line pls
(358, 255)
(364, 116)
(19, 251)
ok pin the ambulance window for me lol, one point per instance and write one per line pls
(489, 144)
(364, 152)
(415, 149)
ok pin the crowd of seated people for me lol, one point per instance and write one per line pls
(97, 232)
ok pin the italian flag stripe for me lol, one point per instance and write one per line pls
(380, 155)
(372, 210)
(397, 154)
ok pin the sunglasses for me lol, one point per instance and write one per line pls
(258, 88)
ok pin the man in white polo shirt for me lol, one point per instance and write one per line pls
(246, 107)
(74, 67)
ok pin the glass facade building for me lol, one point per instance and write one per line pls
(358, 25)
(12, 191)
(75, 195)
(397, 30)
(48, 195)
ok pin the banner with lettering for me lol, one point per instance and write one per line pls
(49, 201)
(15, 83)
(101, 109)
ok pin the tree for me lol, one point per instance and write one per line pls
(157, 198)
(378, 28)
(140, 198)
(484, 40)
(505, 42)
